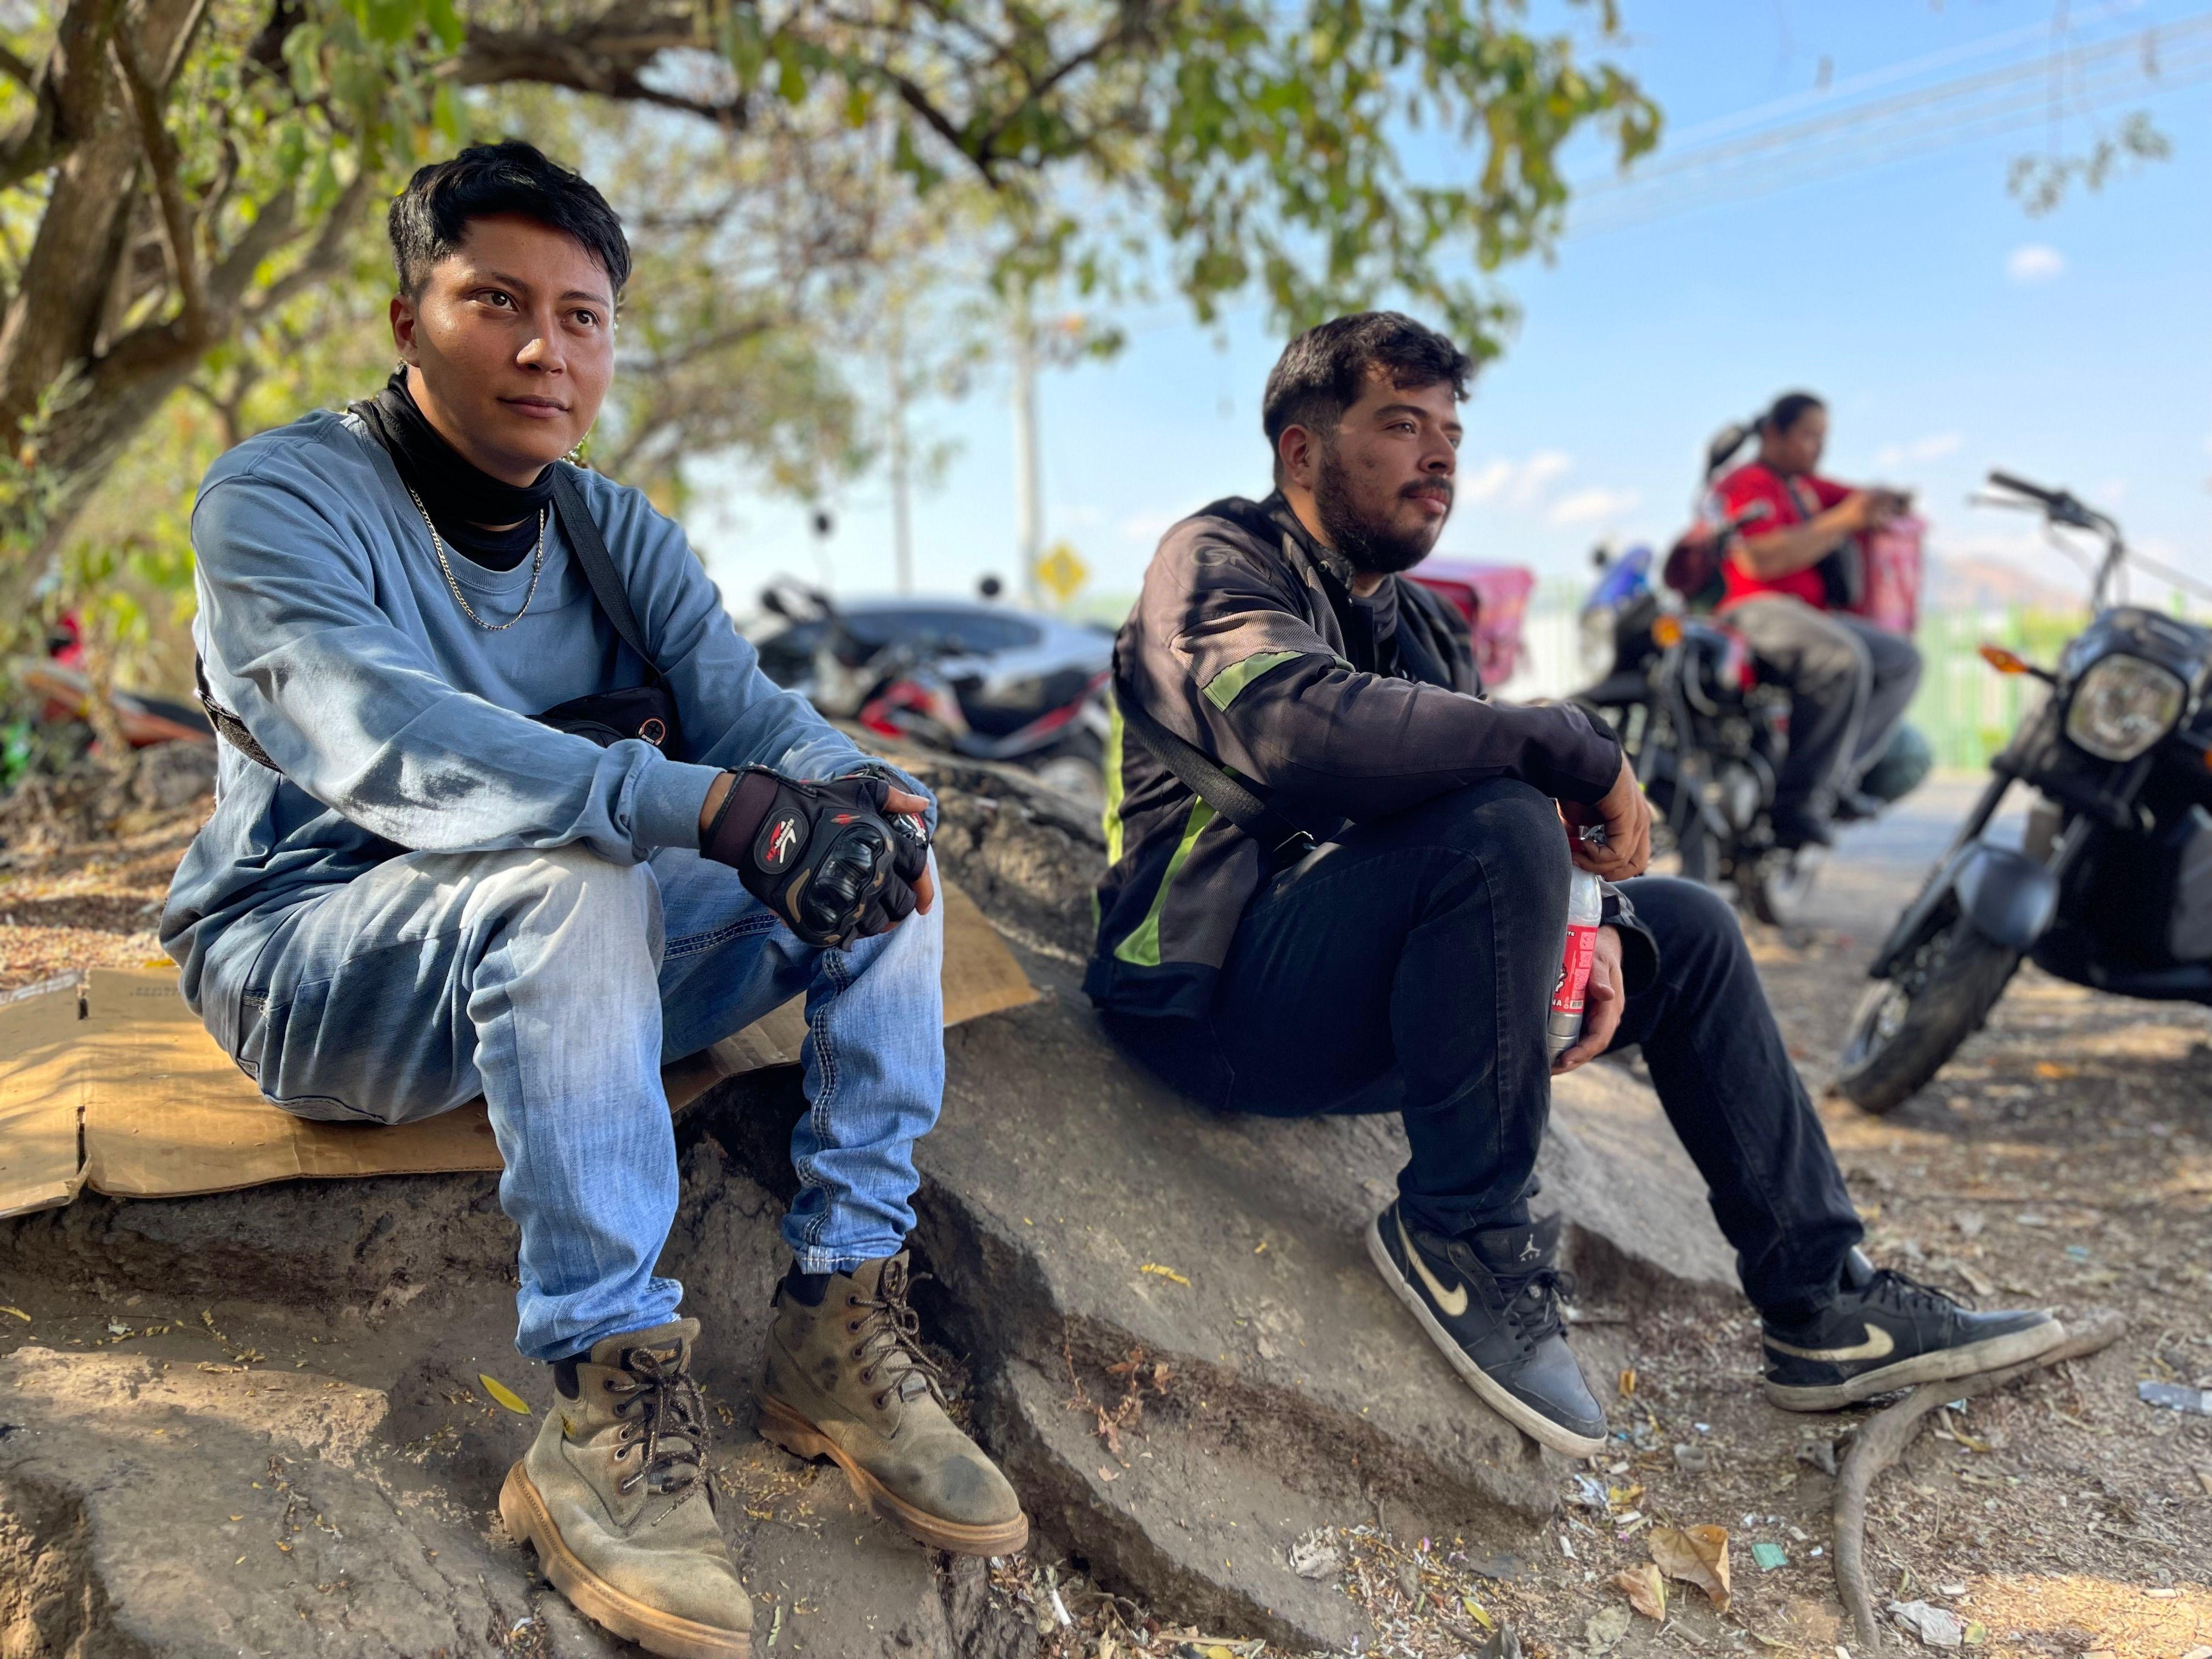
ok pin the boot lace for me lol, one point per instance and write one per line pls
(663, 1411)
(890, 1343)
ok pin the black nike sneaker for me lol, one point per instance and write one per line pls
(1489, 1300)
(1885, 1332)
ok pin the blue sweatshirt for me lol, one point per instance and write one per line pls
(397, 724)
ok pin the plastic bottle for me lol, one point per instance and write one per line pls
(1585, 910)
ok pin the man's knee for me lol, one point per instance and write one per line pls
(568, 888)
(1511, 828)
(1836, 665)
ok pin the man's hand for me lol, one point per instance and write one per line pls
(925, 884)
(1601, 1004)
(836, 859)
(1625, 817)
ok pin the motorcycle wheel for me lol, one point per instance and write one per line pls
(1777, 888)
(1908, 1025)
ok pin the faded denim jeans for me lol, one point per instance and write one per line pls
(556, 984)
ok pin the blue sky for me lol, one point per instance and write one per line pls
(1947, 329)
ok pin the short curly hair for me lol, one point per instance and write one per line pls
(430, 218)
(1325, 370)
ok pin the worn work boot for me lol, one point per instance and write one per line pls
(1489, 1300)
(846, 1380)
(614, 1498)
(1882, 1331)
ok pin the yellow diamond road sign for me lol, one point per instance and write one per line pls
(1061, 571)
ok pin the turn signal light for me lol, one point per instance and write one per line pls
(1667, 630)
(2003, 660)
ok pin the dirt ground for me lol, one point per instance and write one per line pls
(2064, 1158)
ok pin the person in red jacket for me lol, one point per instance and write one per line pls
(1850, 681)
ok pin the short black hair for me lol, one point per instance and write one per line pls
(1325, 370)
(1787, 410)
(430, 216)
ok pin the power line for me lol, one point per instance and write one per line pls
(1885, 130)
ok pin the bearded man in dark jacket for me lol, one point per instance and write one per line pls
(1385, 930)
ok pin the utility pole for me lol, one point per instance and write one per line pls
(1029, 529)
(901, 483)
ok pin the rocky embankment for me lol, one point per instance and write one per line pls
(253, 1423)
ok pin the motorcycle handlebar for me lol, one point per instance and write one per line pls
(2033, 492)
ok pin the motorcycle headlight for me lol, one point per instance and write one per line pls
(1597, 639)
(2122, 706)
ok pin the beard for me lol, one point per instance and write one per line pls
(1377, 547)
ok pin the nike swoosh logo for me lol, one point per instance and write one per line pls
(1452, 1301)
(1878, 1343)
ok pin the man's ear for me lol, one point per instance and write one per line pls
(403, 321)
(1297, 457)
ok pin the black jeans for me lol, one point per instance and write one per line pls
(1409, 967)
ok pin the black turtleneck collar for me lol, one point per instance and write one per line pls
(460, 497)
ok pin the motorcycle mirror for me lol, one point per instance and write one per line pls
(772, 602)
(990, 587)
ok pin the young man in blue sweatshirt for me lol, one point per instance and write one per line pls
(414, 892)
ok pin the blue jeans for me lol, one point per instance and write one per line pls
(556, 984)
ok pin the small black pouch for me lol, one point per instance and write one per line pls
(644, 712)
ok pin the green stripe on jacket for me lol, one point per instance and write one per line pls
(1223, 688)
(1142, 946)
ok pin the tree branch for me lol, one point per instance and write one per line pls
(161, 156)
(324, 256)
(18, 70)
(606, 55)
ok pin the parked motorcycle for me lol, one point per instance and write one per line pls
(968, 680)
(1707, 736)
(2111, 887)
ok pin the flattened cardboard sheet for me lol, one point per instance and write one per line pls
(125, 1068)
(40, 1102)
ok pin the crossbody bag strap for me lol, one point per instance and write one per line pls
(590, 549)
(1282, 841)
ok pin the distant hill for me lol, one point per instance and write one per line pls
(1987, 584)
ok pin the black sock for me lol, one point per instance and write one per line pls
(805, 1289)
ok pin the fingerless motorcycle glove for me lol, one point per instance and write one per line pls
(826, 857)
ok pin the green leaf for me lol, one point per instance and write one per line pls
(445, 23)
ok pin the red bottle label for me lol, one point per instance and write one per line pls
(1575, 972)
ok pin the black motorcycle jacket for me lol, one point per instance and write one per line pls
(1247, 642)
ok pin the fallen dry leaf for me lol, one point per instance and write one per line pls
(2054, 1071)
(1646, 1589)
(1163, 1272)
(1696, 1555)
(503, 1395)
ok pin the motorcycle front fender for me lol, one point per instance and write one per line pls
(2009, 898)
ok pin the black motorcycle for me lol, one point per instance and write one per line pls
(2111, 887)
(1707, 736)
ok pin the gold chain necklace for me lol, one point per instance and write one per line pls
(438, 546)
